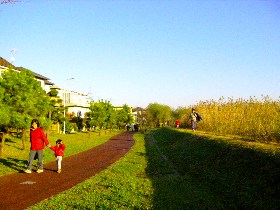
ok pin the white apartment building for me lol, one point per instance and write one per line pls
(78, 103)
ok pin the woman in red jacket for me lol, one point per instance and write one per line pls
(38, 140)
(59, 153)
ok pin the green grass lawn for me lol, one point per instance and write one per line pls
(177, 169)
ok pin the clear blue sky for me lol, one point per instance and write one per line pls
(139, 52)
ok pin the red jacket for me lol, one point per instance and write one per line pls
(38, 139)
(58, 150)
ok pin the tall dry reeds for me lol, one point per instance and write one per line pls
(258, 119)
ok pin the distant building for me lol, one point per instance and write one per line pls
(44, 81)
(77, 103)
(139, 115)
(117, 108)
(4, 65)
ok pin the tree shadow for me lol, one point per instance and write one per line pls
(20, 165)
(189, 171)
(8, 140)
(13, 163)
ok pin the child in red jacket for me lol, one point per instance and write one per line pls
(59, 153)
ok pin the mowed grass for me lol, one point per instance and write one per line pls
(177, 169)
(15, 159)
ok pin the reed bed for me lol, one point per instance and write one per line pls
(252, 118)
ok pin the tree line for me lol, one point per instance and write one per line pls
(22, 98)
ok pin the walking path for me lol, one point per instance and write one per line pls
(20, 190)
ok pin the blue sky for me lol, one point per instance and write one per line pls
(174, 53)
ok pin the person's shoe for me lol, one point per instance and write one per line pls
(39, 171)
(27, 171)
(59, 171)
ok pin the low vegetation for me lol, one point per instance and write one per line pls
(177, 169)
(258, 119)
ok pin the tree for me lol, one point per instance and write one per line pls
(23, 98)
(158, 114)
(181, 113)
(110, 121)
(24, 93)
(101, 115)
(56, 113)
(5, 119)
(123, 116)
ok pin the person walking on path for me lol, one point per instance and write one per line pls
(194, 117)
(177, 123)
(59, 153)
(38, 140)
(127, 127)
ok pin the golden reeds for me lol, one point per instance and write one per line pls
(257, 119)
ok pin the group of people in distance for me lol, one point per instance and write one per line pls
(194, 117)
(38, 141)
(133, 127)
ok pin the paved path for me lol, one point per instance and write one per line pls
(20, 190)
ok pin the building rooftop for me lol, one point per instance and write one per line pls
(4, 63)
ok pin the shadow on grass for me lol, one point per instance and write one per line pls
(193, 172)
(11, 142)
(14, 163)
(8, 140)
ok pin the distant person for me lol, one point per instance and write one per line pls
(127, 127)
(132, 127)
(38, 140)
(177, 123)
(59, 153)
(136, 127)
(194, 117)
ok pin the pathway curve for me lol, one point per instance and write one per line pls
(20, 190)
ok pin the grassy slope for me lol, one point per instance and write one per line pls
(216, 172)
